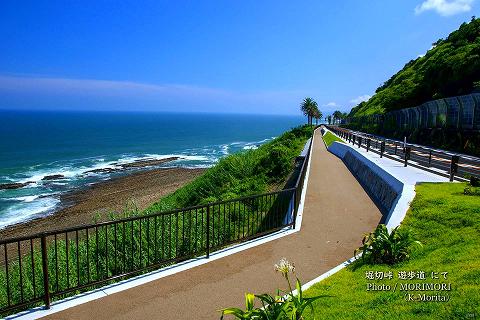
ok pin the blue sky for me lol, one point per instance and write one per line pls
(212, 56)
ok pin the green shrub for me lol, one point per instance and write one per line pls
(276, 164)
(241, 174)
(473, 187)
(380, 246)
(474, 181)
(471, 191)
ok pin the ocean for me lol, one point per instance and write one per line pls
(39, 144)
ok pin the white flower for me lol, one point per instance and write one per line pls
(284, 267)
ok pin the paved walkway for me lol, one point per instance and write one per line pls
(337, 213)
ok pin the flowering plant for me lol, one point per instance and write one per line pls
(289, 306)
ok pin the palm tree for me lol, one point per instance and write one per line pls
(317, 115)
(308, 108)
(337, 116)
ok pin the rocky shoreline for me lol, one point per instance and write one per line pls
(116, 167)
(98, 202)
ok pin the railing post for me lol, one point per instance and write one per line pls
(453, 166)
(406, 156)
(208, 232)
(46, 290)
(295, 207)
(359, 142)
(368, 144)
(395, 148)
(430, 158)
(382, 148)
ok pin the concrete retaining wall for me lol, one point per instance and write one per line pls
(383, 188)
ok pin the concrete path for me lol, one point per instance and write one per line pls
(337, 213)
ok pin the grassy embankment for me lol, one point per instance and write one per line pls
(242, 174)
(135, 245)
(330, 138)
(447, 222)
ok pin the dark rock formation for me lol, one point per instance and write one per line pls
(15, 185)
(54, 177)
(148, 162)
(102, 170)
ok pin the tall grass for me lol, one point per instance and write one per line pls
(82, 259)
(246, 173)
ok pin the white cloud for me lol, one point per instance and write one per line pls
(445, 7)
(362, 98)
(330, 104)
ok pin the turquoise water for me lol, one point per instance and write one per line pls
(37, 144)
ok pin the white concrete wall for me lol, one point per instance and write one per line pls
(388, 184)
(401, 179)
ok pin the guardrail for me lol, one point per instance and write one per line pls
(441, 162)
(35, 270)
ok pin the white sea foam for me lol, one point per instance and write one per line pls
(26, 207)
(26, 198)
(225, 149)
(26, 211)
(182, 157)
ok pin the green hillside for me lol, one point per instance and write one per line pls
(451, 67)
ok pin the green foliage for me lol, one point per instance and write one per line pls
(290, 306)
(295, 305)
(380, 246)
(309, 108)
(451, 67)
(330, 138)
(473, 187)
(447, 222)
(471, 191)
(277, 164)
(337, 116)
(474, 181)
(270, 309)
(241, 174)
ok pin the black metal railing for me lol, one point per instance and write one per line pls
(37, 269)
(441, 162)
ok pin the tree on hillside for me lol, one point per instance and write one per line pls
(451, 67)
(308, 108)
(329, 119)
